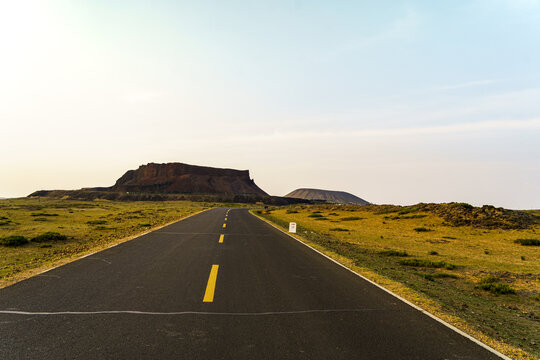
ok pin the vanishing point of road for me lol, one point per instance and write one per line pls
(222, 284)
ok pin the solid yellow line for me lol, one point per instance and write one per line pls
(221, 238)
(211, 286)
(224, 226)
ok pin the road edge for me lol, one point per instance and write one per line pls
(448, 325)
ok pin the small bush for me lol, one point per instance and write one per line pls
(43, 214)
(497, 288)
(44, 246)
(3, 218)
(422, 229)
(522, 257)
(488, 280)
(427, 263)
(41, 219)
(445, 275)
(393, 253)
(316, 212)
(432, 252)
(322, 218)
(315, 215)
(145, 225)
(528, 242)
(463, 205)
(292, 211)
(350, 218)
(334, 214)
(449, 237)
(13, 241)
(96, 222)
(432, 277)
(339, 229)
(5, 222)
(49, 236)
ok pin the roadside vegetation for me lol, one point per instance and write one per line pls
(70, 228)
(477, 268)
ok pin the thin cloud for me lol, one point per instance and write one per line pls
(531, 124)
(470, 84)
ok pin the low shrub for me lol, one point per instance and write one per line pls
(339, 229)
(13, 241)
(5, 222)
(462, 205)
(41, 219)
(96, 222)
(316, 215)
(334, 214)
(528, 242)
(49, 236)
(432, 252)
(292, 211)
(42, 214)
(432, 277)
(145, 225)
(393, 253)
(350, 218)
(422, 229)
(496, 288)
(427, 263)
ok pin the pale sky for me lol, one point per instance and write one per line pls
(394, 101)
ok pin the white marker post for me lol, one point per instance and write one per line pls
(292, 228)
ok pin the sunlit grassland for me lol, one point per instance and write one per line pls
(88, 225)
(464, 274)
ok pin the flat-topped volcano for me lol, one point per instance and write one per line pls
(178, 178)
(174, 181)
(339, 197)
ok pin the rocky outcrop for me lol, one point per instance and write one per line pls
(175, 181)
(338, 197)
(178, 178)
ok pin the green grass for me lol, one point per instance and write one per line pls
(350, 218)
(49, 236)
(528, 242)
(13, 241)
(394, 253)
(72, 228)
(427, 263)
(96, 222)
(339, 229)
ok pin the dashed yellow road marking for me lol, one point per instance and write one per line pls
(211, 286)
(224, 226)
(221, 237)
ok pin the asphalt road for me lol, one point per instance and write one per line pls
(267, 297)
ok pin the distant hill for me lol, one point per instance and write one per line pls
(340, 197)
(176, 181)
(178, 178)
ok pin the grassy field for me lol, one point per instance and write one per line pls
(480, 280)
(84, 226)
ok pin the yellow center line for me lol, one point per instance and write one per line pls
(221, 238)
(211, 286)
(224, 226)
(225, 219)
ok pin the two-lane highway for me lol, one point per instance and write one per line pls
(222, 284)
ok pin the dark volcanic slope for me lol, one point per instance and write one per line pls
(341, 197)
(190, 179)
